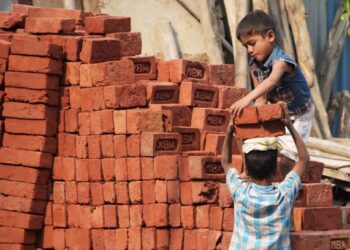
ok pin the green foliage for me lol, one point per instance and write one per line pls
(346, 13)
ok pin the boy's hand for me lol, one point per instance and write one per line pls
(239, 105)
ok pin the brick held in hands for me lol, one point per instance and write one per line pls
(31, 127)
(32, 47)
(11, 20)
(143, 120)
(35, 64)
(198, 94)
(29, 111)
(107, 24)
(270, 112)
(25, 157)
(267, 129)
(107, 73)
(96, 50)
(145, 67)
(208, 119)
(31, 80)
(125, 96)
(229, 95)
(180, 70)
(249, 115)
(162, 92)
(130, 42)
(4, 49)
(221, 74)
(206, 167)
(49, 25)
(315, 195)
(190, 137)
(153, 144)
(30, 142)
(31, 96)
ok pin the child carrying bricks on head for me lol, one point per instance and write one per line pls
(276, 77)
(262, 210)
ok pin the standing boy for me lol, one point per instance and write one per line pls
(262, 210)
(276, 77)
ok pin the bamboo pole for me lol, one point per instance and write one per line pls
(328, 147)
(235, 11)
(261, 5)
(330, 60)
(165, 40)
(296, 16)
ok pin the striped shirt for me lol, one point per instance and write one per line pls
(262, 213)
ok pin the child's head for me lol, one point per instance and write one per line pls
(261, 165)
(255, 23)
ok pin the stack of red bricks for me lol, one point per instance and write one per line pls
(137, 164)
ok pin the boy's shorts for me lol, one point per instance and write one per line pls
(302, 125)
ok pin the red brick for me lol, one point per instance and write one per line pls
(190, 137)
(79, 216)
(249, 115)
(133, 145)
(20, 220)
(221, 74)
(71, 192)
(204, 192)
(267, 129)
(134, 241)
(315, 195)
(107, 73)
(109, 192)
(190, 239)
(173, 191)
(312, 174)
(82, 170)
(144, 67)
(120, 147)
(95, 169)
(229, 95)
(123, 216)
(310, 240)
(35, 64)
(225, 199)
(46, 236)
(16, 235)
(122, 192)
(107, 121)
(135, 193)
(160, 143)
(148, 194)
(109, 239)
(270, 112)
(160, 191)
(134, 168)
(72, 73)
(163, 73)
(97, 98)
(130, 42)
(214, 239)
(202, 216)
(139, 121)
(228, 220)
(162, 92)
(31, 80)
(95, 123)
(22, 189)
(136, 216)
(122, 239)
(216, 215)
(121, 171)
(98, 241)
(345, 217)
(198, 94)
(107, 24)
(64, 97)
(67, 145)
(310, 218)
(214, 142)
(180, 114)
(57, 168)
(59, 215)
(176, 238)
(11, 20)
(147, 168)
(19, 204)
(32, 96)
(125, 96)
(4, 49)
(175, 215)
(186, 193)
(36, 48)
(56, 12)
(108, 169)
(84, 123)
(83, 191)
(94, 147)
(210, 119)
(206, 167)
(97, 217)
(167, 167)
(3, 65)
(59, 238)
(96, 50)
(180, 70)
(48, 218)
(110, 216)
(58, 193)
(162, 238)
(119, 118)
(71, 120)
(86, 99)
(159, 219)
(202, 238)
(68, 166)
(25, 157)
(29, 111)
(188, 217)
(149, 238)
(81, 147)
(49, 25)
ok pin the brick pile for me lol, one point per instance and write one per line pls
(105, 149)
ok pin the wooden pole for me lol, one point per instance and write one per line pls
(296, 16)
(165, 40)
(334, 47)
(328, 147)
(235, 11)
(261, 5)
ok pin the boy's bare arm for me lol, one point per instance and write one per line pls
(262, 99)
(278, 69)
(226, 155)
(300, 165)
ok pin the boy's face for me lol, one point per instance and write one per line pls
(259, 47)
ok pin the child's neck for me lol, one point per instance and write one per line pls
(265, 182)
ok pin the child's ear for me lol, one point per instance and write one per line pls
(271, 35)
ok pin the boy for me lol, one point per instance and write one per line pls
(276, 77)
(261, 209)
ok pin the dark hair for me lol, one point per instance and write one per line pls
(261, 164)
(255, 23)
